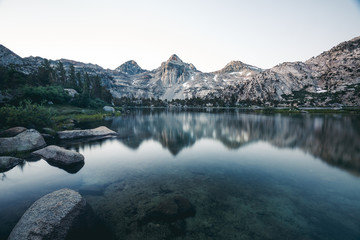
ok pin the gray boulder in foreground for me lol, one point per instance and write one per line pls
(25, 141)
(51, 217)
(59, 155)
(96, 132)
(7, 163)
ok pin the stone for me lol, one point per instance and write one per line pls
(49, 131)
(47, 136)
(59, 156)
(27, 140)
(109, 109)
(7, 163)
(170, 210)
(96, 132)
(72, 168)
(71, 92)
(51, 217)
(12, 132)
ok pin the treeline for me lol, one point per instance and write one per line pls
(48, 83)
(189, 102)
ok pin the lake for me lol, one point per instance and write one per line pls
(246, 176)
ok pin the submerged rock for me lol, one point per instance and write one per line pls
(171, 210)
(7, 163)
(60, 156)
(96, 132)
(25, 141)
(12, 132)
(51, 217)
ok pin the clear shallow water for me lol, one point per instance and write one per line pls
(248, 176)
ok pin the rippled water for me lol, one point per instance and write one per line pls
(248, 176)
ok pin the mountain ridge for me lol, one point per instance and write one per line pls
(332, 72)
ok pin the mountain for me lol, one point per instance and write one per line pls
(130, 68)
(176, 79)
(331, 78)
(7, 57)
(240, 67)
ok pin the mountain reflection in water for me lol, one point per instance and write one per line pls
(333, 139)
(246, 175)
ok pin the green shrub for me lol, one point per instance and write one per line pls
(84, 101)
(26, 114)
(56, 94)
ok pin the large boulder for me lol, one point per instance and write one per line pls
(109, 109)
(60, 156)
(51, 217)
(12, 132)
(7, 163)
(96, 132)
(71, 92)
(25, 141)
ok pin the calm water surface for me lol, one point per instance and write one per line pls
(249, 176)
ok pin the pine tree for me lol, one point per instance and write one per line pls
(79, 82)
(96, 88)
(61, 73)
(72, 77)
(45, 73)
(87, 85)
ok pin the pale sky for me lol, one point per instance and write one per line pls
(207, 33)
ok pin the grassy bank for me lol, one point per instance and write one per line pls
(58, 117)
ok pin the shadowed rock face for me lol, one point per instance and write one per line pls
(130, 68)
(7, 57)
(334, 140)
(7, 163)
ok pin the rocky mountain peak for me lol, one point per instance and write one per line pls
(237, 66)
(7, 57)
(130, 68)
(174, 58)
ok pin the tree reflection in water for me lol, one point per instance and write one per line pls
(332, 138)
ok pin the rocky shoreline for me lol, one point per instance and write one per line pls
(63, 214)
(28, 143)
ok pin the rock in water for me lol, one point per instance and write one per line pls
(12, 132)
(25, 141)
(171, 210)
(7, 163)
(109, 109)
(96, 132)
(51, 217)
(59, 156)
